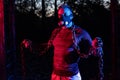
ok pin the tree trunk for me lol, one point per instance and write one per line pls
(10, 39)
(114, 25)
(2, 43)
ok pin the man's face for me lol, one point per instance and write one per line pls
(65, 16)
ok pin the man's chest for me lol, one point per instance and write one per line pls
(63, 38)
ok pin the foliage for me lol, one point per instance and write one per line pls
(79, 6)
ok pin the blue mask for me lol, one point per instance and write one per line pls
(66, 17)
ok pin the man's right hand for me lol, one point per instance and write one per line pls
(26, 43)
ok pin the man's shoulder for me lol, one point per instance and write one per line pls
(78, 29)
(57, 29)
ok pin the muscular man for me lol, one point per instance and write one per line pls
(70, 43)
(66, 41)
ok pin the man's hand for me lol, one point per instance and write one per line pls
(97, 45)
(97, 42)
(26, 43)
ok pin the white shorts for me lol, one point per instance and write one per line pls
(58, 77)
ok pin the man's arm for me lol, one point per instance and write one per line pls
(88, 46)
(85, 43)
(97, 51)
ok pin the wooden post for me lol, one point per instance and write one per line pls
(2, 43)
(113, 7)
(10, 39)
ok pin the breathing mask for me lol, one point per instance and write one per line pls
(65, 16)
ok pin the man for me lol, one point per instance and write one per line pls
(68, 41)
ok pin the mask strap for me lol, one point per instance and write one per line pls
(75, 40)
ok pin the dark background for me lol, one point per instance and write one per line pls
(29, 26)
(101, 22)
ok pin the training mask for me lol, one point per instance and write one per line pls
(65, 16)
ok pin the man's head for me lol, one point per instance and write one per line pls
(65, 16)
